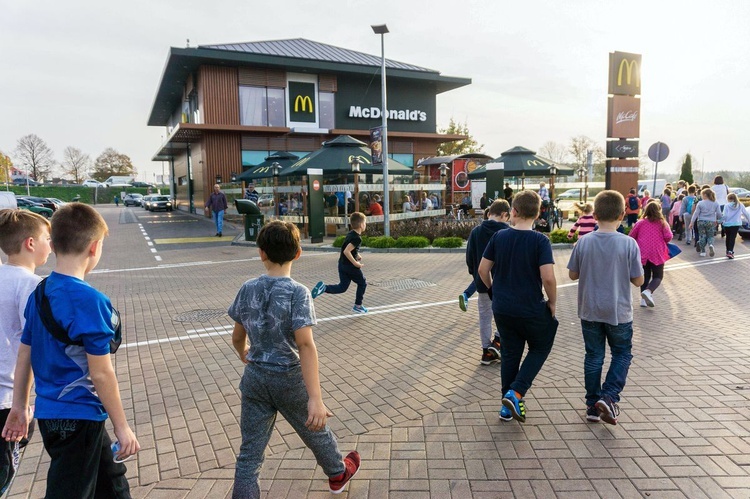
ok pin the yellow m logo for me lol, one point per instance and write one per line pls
(631, 67)
(303, 102)
(361, 159)
(534, 162)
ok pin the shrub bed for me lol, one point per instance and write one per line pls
(382, 242)
(412, 242)
(561, 236)
(448, 242)
(429, 228)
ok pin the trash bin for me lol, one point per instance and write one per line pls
(253, 217)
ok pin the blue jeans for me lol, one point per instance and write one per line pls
(471, 289)
(219, 220)
(264, 394)
(347, 274)
(515, 333)
(620, 339)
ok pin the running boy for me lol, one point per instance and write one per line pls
(516, 265)
(497, 219)
(24, 237)
(350, 265)
(607, 263)
(76, 387)
(276, 314)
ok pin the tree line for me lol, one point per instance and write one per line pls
(34, 157)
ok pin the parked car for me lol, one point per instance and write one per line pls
(158, 202)
(23, 181)
(570, 194)
(142, 184)
(133, 199)
(265, 201)
(741, 192)
(8, 200)
(119, 181)
(146, 200)
(25, 204)
(92, 183)
(42, 201)
(58, 202)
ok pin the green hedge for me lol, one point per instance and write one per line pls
(448, 242)
(68, 193)
(339, 241)
(412, 242)
(382, 242)
(561, 236)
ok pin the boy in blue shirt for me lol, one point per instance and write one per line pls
(516, 265)
(606, 263)
(276, 314)
(76, 387)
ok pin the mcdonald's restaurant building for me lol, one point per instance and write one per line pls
(225, 107)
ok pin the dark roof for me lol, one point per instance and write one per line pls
(436, 160)
(300, 48)
(293, 55)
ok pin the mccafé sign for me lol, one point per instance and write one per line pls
(624, 117)
(393, 114)
(624, 73)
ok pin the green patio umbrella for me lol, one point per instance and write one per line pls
(521, 162)
(264, 170)
(335, 158)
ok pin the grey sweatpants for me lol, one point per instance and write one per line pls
(264, 393)
(484, 306)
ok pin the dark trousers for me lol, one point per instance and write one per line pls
(517, 332)
(731, 232)
(652, 276)
(347, 274)
(632, 219)
(81, 461)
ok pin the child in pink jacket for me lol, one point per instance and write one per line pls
(652, 235)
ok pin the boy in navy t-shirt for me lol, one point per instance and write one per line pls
(517, 264)
(76, 387)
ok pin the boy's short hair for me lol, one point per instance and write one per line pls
(16, 226)
(609, 206)
(74, 227)
(279, 241)
(527, 204)
(356, 218)
(498, 207)
(692, 189)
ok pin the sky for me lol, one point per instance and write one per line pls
(84, 73)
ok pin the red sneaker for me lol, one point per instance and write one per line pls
(338, 482)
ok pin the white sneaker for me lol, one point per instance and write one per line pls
(702, 254)
(711, 251)
(643, 303)
(647, 297)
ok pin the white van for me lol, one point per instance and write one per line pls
(119, 181)
(648, 185)
(8, 200)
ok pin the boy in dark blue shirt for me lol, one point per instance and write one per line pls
(76, 387)
(516, 265)
(350, 265)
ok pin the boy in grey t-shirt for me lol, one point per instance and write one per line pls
(276, 314)
(606, 263)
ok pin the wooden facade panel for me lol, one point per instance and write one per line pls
(303, 143)
(258, 77)
(221, 156)
(400, 147)
(250, 143)
(220, 90)
(327, 83)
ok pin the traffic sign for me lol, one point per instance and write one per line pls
(658, 152)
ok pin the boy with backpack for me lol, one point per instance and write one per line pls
(24, 237)
(632, 207)
(686, 212)
(76, 387)
(276, 314)
(606, 263)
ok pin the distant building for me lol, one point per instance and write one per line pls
(225, 107)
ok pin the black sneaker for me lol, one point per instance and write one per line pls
(592, 414)
(488, 357)
(608, 411)
(495, 346)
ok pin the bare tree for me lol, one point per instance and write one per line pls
(76, 163)
(578, 148)
(35, 156)
(554, 151)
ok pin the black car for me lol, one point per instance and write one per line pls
(22, 181)
(159, 203)
(133, 199)
(142, 184)
(47, 203)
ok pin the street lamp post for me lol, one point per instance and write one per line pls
(443, 176)
(355, 162)
(552, 174)
(275, 169)
(582, 174)
(381, 30)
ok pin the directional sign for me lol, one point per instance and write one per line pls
(658, 152)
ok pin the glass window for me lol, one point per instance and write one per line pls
(404, 159)
(326, 109)
(252, 158)
(253, 106)
(276, 107)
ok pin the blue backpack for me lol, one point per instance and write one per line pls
(689, 207)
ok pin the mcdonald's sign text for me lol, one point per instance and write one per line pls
(624, 73)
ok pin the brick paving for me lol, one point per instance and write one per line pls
(406, 387)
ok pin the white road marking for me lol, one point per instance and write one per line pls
(149, 243)
(158, 258)
(153, 250)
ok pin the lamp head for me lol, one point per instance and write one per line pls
(355, 162)
(380, 29)
(276, 168)
(443, 170)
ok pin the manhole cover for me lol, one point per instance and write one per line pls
(398, 284)
(201, 315)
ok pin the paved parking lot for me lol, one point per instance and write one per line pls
(405, 384)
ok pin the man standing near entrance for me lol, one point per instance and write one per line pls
(217, 203)
(251, 194)
(508, 192)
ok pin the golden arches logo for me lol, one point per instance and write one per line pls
(534, 162)
(304, 102)
(262, 169)
(361, 159)
(630, 68)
